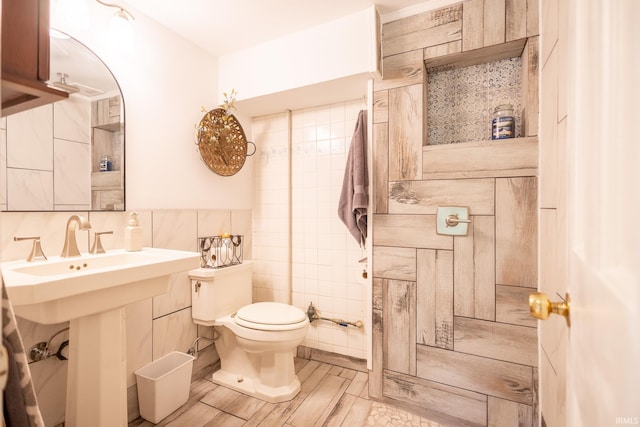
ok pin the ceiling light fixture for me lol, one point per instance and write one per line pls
(63, 85)
(120, 31)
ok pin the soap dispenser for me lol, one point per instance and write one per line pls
(133, 234)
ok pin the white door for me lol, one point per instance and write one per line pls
(603, 110)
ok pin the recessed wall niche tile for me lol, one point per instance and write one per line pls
(505, 73)
(460, 102)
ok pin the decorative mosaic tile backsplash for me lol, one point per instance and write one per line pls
(460, 102)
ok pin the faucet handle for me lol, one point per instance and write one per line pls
(36, 249)
(97, 248)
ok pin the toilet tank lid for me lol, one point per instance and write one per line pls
(271, 313)
(206, 273)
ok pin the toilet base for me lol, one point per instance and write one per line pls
(253, 387)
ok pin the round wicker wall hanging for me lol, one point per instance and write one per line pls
(222, 142)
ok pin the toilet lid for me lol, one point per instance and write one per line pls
(271, 313)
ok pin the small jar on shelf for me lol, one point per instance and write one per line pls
(503, 125)
(105, 163)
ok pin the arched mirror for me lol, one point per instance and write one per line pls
(69, 155)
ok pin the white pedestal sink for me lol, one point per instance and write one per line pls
(91, 292)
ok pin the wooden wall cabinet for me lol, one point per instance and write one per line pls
(25, 56)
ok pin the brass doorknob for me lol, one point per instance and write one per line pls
(541, 307)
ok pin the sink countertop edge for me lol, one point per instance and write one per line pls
(32, 289)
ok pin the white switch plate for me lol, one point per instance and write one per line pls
(458, 230)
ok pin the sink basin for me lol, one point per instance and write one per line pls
(91, 292)
(62, 289)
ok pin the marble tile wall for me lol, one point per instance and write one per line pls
(39, 163)
(303, 252)
(155, 326)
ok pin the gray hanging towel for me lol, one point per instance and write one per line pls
(354, 198)
(20, 401)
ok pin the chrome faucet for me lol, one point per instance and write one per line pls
(70, 248)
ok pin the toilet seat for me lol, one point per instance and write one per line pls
(271, 316)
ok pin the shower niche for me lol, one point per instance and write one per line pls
(461, 93)
(463, 89)
(462, 100)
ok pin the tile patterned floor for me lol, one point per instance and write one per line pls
(330, 396)
(385, 415)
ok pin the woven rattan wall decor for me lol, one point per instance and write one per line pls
(222, 142)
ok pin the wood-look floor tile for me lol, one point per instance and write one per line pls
(232, 402)
(299, 363)
(313, 380)
(365, 390)
(340, 411)
(348, 373)
(197, 415)
(358, 413)
(330, 396)
(280, 413)
(198, 390)
(320, 402)
(139, 422)
(260, 415)
(335, 370)
(307, 370)
(358, 383)
(225, 420)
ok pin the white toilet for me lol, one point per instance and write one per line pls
(256, 342)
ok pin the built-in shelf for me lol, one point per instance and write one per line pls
(107, 180)
(111, 127)
(481, 159)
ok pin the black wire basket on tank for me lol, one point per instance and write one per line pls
(220, 251)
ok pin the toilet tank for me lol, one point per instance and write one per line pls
(218, 292)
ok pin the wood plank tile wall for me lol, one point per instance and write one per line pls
(452, 335)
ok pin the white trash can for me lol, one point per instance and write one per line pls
(163, 385)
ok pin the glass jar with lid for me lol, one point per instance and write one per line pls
(105, 163)
(503, 124)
